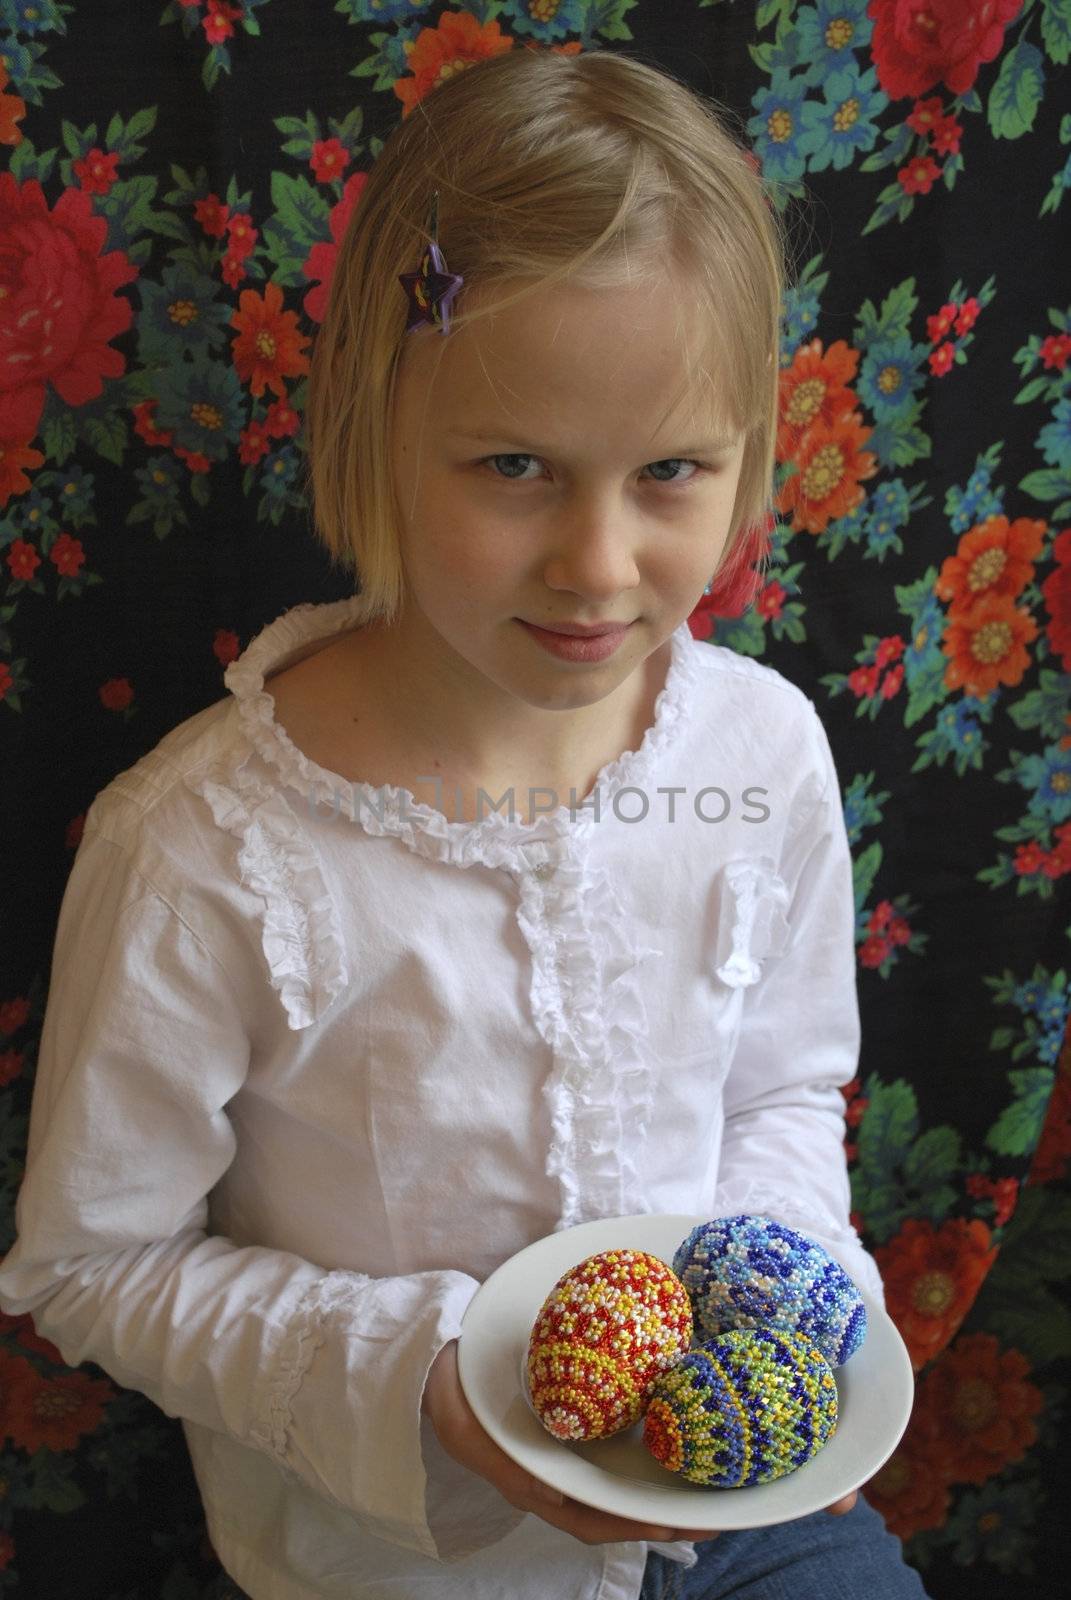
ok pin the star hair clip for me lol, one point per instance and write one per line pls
(432, 288)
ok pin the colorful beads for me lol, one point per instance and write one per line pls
(606, 1332)
(742, 1408)
(751, 1272)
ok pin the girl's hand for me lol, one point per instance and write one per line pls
(462, 1437)
(839, 1507)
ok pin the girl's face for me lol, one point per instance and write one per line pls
(541, 480)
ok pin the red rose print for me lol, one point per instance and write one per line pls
(67, 555)
(22, 560)
(97, 170)
(1055, 350)
(329, 159)
(59, 304)
(322, 257)
(212, 214)
(920, 43)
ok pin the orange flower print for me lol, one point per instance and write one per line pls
(12, 110)
(982, 1404)
(831, 462)
(50, 1413)
(268, 347)
(912, 1489)
(438, 53)
(995, 558)
(931, 1277)
(814, 389)
(14, 459)
(987, 645)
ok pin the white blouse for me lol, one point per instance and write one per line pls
(317, 1059)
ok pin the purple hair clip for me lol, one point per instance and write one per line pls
(432, 288)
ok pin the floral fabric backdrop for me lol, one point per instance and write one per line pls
(174, 184)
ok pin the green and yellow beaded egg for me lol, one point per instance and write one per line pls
(742, 1408)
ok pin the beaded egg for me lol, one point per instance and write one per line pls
(752, 1272)
(742, 1408)
(606, 1332)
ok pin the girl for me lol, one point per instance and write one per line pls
(322, 1049)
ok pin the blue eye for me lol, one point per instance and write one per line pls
(674, 461)
(518, 476)
(512, 458)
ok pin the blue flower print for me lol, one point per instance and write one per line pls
(278, 470)
(889, 508)
(892, 499)
(799, 318)
(32, 16)
(547, 20)
(965, 507)
(33, 514)
(994, 1525)
(1049, 775)
(204, 404)
(382, 10)
(888, 380)
(775, 129)
(887, 511)
(17, 59)
(826, 35)
(76, 491)
(852, 528)
(923, 654)
(861, 808)
(159, 481)
(1028, 996)
(1054, 440)
(844, 121)
(958, 733)
(180, 313)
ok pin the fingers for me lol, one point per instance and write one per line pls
(840, 1507)
(600, 1527)
(463, 1437)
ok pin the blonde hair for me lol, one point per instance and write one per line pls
(593, 168)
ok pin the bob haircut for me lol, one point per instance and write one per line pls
(593, 168)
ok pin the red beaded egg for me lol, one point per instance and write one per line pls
(605, 1334)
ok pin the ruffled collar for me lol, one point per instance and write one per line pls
(388, 809)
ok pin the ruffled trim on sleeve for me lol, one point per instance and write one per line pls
(295, 1357)
(757, 926)
(587, 1003)
(301, 934)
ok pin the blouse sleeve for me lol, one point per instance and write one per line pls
(783, 1146)
(144, 1043)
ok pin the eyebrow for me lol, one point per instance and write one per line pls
(492, 436)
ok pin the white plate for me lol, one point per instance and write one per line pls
(875, 1391)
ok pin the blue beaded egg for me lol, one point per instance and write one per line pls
(752, 1272)
(742, 1408)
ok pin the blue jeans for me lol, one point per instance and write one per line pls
(815, 1558)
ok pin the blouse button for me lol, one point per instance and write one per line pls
(543, 871)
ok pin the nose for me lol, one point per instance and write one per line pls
(593, 549)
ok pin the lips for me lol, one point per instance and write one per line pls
(574, 630)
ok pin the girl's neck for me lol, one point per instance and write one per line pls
(383, 717)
